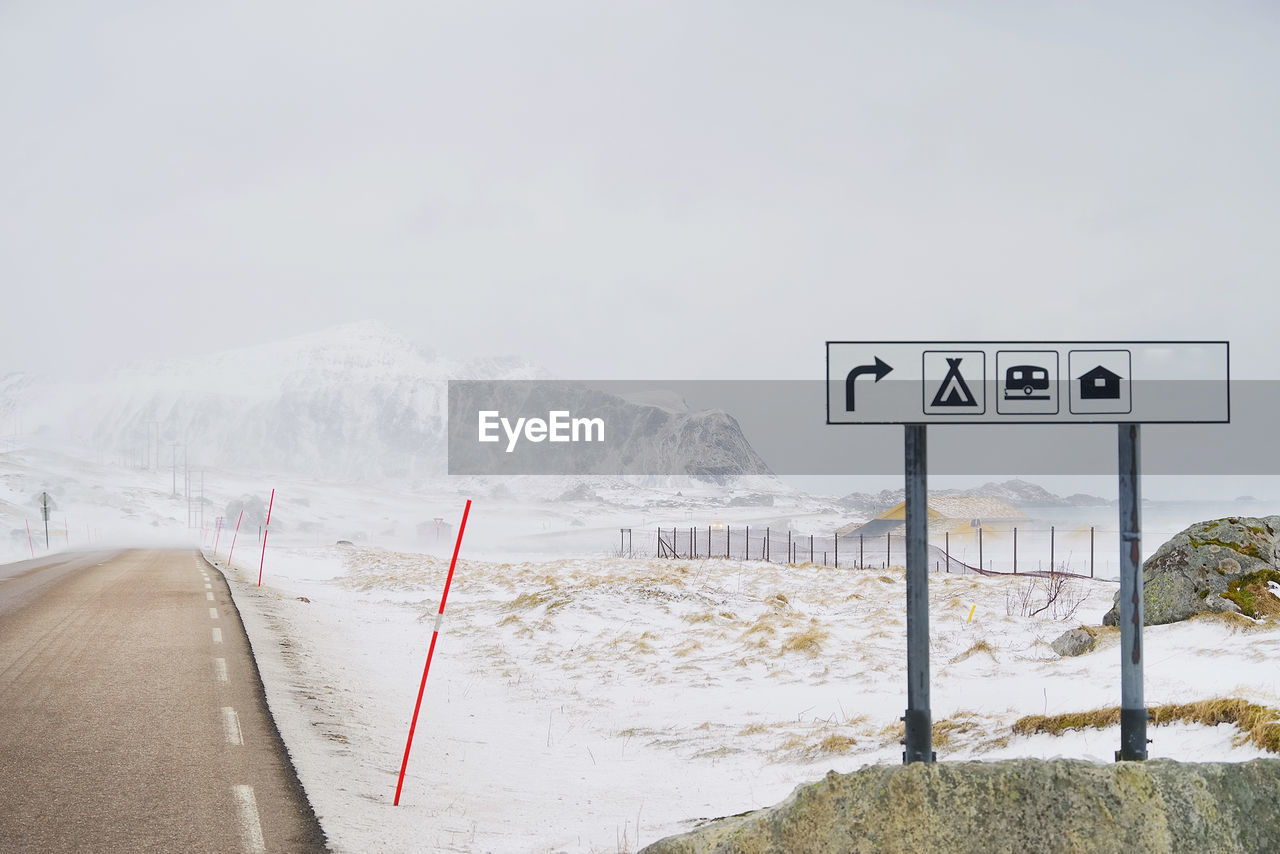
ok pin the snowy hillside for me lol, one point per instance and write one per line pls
(355, 402)
(359, 402)
(596, 705)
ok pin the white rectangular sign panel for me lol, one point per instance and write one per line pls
(1011, 382)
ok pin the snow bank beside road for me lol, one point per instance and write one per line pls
(596, 704)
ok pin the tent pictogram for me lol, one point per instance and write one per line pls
(954, 391)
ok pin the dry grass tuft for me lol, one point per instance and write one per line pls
(1258, 725)
(777, 601)
(944, 732)
(526, 601)
(806, 748)
(980, 646)
(962, 723)
(990, 744)
(835, 744)
(1235, 621)
(687, 648)
(762, 626)
(809, 641)
(1058, 724)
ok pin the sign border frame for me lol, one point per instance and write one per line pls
(1057, 421)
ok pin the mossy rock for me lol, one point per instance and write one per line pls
(1191, 573)
(1016, 805)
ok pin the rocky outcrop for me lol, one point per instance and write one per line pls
(1192, 573)
(1074, 642)
(1017, 805)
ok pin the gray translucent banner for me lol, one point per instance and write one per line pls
(730, 427)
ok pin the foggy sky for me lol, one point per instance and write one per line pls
(636, 189)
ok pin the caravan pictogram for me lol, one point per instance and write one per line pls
(953, 382)
(1027, 382)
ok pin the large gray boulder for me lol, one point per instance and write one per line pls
(1074, 642)
(1189, 574)
(1061, 805)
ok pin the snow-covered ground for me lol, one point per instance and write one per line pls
(583, 701)
(597, 704)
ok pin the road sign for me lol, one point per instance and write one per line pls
(1019, 382)
(916, 383)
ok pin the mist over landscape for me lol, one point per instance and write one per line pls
(267, 268)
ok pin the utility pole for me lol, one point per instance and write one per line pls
(44, 511)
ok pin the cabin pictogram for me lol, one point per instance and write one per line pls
(1099, 384)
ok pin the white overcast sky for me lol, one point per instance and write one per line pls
(636, 189)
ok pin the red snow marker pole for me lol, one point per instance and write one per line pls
(431, 650)
(233, 539)
(217, 536)
(30, 544)
(266, 530)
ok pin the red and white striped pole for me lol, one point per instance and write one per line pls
(266, 530)
(431, 650)
(233, 539)
(30, 544)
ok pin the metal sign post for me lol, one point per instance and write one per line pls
(915, 383)
(919, 717)
(1133, 712)
(44, 511)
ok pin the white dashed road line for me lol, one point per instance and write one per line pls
(213, 613)
(217, 635)
(231, 726)
(209, 595)
(250, 827)
(220, 669)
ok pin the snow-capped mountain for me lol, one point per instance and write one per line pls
(359, 402)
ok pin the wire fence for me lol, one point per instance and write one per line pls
(1082, 551)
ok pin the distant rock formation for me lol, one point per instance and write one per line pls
(1210, 567)
(1019, 493)
(1053, 806)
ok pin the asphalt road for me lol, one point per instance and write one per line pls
(132, 716)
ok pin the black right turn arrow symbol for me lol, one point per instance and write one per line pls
(879, 369)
